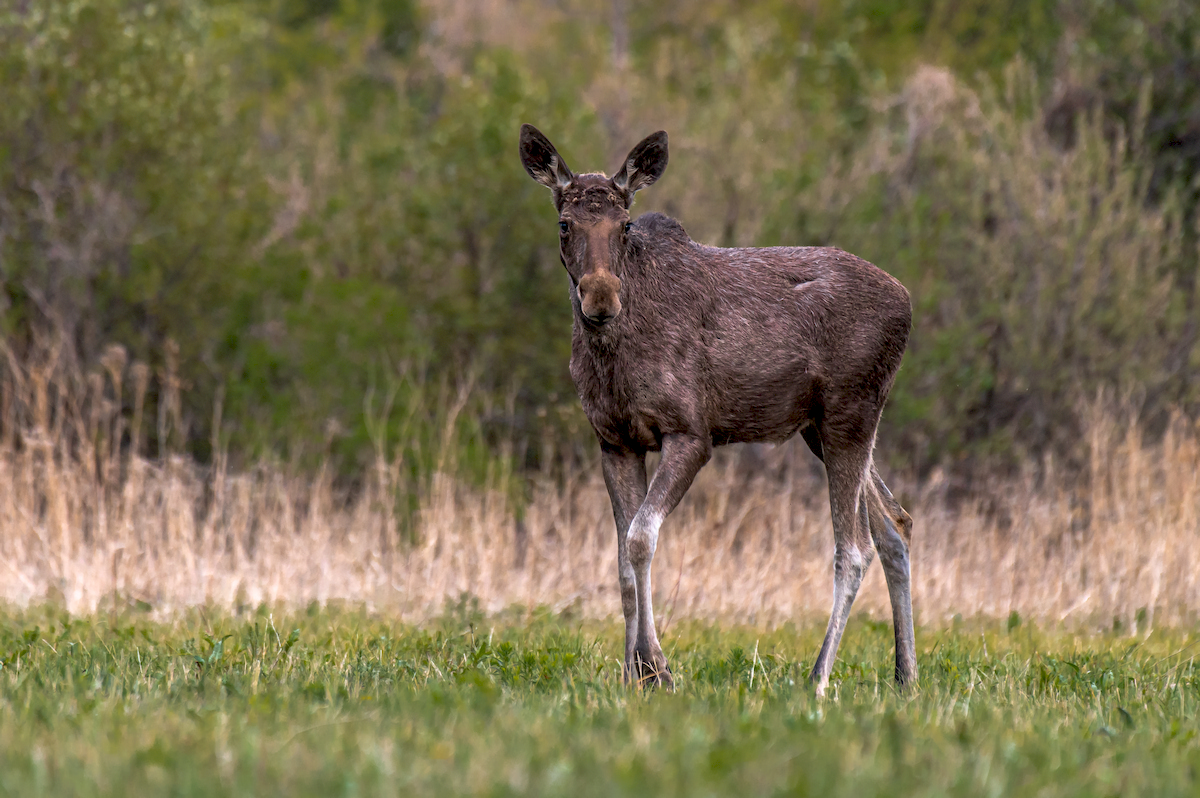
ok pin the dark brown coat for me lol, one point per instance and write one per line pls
(680, 347)
(735, 345)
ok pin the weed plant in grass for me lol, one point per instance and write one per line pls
(340, 702)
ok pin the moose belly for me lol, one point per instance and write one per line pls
(763, 407)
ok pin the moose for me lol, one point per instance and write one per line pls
(678, 347)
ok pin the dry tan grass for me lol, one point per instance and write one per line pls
(83, 524)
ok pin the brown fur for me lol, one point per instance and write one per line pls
(680, 347)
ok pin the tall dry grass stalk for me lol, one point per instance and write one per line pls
(84, 523)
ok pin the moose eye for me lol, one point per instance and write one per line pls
(563, 227)
(628, 226)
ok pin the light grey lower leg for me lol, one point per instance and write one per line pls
(852, 554)
(894, 556)
(644, 535)
(849, 567)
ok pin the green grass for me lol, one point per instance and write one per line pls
(339, 702)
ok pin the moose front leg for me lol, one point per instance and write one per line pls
(625, 476)
(682, 457)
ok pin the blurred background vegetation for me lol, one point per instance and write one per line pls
(317, 204)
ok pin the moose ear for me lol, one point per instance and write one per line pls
(645, 163)
(542, 161)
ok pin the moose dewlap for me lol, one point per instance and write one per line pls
(679, 347)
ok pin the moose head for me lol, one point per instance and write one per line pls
(593, 216)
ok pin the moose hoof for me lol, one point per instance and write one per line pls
(653, 672)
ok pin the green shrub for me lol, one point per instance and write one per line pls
(320, 203)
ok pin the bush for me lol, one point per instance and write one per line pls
(1040, 275)
(319, 201)
(127, 201)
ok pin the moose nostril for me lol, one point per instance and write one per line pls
(601, 317)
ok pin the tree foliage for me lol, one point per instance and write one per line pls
(319, 202)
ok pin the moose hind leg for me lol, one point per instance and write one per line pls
(891, 529)
(852, 550)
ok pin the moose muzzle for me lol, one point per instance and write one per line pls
(600, 296)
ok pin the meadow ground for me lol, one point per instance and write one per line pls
(338, 702)
(133, 662)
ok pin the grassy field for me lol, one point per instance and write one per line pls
(340, 702)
